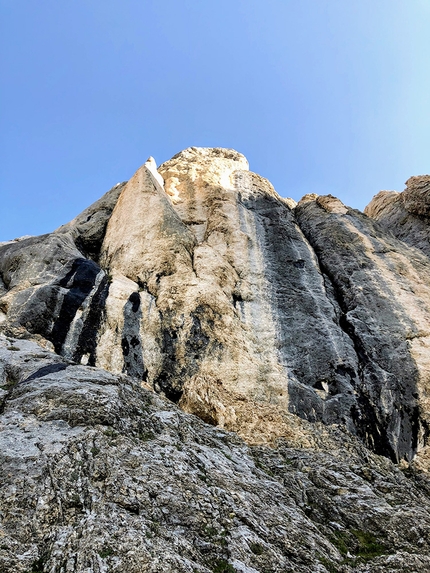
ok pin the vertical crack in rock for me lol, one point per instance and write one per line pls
(131, 342)
(365, 415)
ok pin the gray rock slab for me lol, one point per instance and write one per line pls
(99, 474)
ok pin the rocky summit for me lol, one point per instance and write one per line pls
(199, 375)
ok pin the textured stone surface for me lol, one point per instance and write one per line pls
(303, 327)
(99, 474)
(200, 281)
(47, 283)
(405, 215)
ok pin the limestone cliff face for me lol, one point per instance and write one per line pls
(227, 290)
(204, 284)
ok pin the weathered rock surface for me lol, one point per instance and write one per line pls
(305, 327)
(203, 283)
(99, 474)
(406, 215)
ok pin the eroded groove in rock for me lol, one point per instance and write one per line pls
(79, 282)
(321, 369)
(84, 349)
(131, 342)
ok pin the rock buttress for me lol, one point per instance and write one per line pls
(383, 290)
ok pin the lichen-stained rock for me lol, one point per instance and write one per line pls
(321, 370)
(383, 290)
(98, 474)
(406, 215)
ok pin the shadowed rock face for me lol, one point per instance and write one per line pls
(383, 291)
(200, 281)
(51, 286)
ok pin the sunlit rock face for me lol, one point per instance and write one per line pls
(227, 290)
(201, 282)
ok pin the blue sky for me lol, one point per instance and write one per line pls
(323, 96)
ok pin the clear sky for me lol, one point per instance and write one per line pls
(322, 96)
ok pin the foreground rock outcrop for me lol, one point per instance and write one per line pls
(303, 327)
(99, 474)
